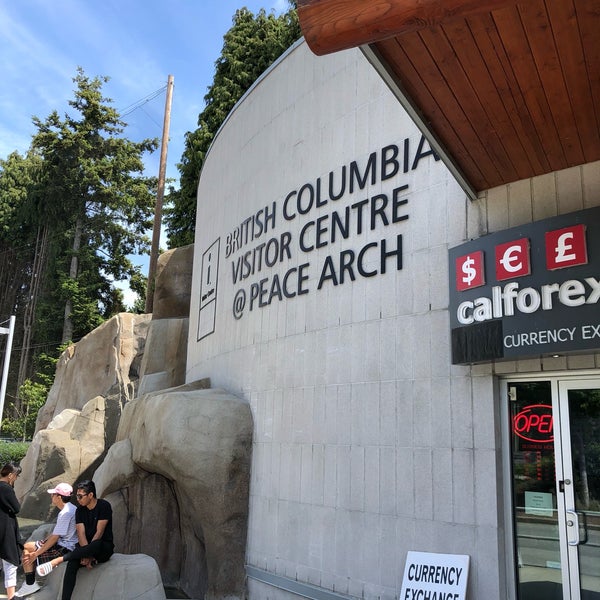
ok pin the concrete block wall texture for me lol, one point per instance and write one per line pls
(368, 443)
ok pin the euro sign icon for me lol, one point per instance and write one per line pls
(469, 272)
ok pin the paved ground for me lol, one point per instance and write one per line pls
(170, 593)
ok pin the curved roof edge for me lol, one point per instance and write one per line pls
(258, 81)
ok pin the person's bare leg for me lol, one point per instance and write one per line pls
(28, 564)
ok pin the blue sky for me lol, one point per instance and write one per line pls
(137, 43)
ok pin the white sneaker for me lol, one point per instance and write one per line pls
(27, 589)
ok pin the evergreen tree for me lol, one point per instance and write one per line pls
(251, 45)
(71, 211)
(23, 239)
(95, 189)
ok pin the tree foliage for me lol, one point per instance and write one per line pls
(77, 205)
(94, 186)
(21, 424)
(72, 211)
(22, 237)
(252, 44)
(19, 178)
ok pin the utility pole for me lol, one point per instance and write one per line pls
(159, 198)
(9, 331)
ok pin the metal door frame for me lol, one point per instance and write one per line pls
(560, 383)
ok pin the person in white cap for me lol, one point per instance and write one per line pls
(62, 540)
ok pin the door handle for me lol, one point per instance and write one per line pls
(585, 528)
(573, 525)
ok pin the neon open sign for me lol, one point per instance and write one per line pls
(535, 423)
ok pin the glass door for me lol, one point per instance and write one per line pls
(555, 468)
(578, 475)
(535, 504)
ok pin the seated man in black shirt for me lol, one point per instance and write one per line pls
(93, 521)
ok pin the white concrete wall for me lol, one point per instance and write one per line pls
(368, 443)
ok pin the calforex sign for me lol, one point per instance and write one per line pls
(527, 291)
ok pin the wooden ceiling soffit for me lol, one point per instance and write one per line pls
(504, 90)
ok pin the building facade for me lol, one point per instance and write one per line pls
(334, 290)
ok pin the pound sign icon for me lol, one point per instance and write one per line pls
(566, 247)
(562, 247)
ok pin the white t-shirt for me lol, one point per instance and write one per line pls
(65, 527)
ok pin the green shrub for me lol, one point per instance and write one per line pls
(12, 451)
(20, 424)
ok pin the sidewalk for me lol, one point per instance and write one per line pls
(170, 594)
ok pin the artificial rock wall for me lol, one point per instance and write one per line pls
(173, 459)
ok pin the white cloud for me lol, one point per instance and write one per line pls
(129, 296)
(280, 6)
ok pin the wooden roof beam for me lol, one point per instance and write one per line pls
(332, 25)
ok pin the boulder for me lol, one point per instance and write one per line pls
(164, 360)
(69, 450)
(103, 363)
(178, 480)
(127, 577)
(41, 532)
(173, 283)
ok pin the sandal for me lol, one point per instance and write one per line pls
(44, 569)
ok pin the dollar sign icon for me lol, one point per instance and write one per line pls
(469, 272)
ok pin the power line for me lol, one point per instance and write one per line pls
(129, 109)
(150, 117)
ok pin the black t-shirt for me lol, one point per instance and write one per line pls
(101, 512)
